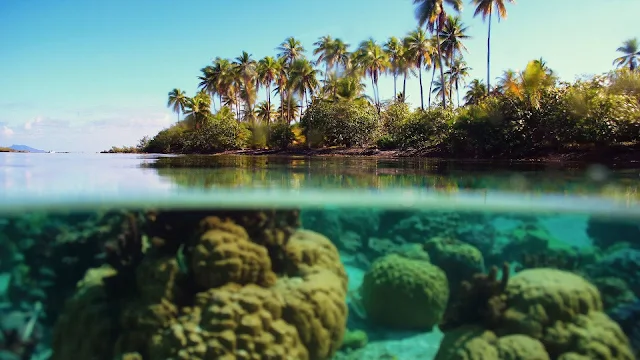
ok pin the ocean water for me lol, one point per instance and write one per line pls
(129, 257)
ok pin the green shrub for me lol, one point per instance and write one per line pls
(259, 133)
(424, 128)
(167, 141)
(393, 116)
(281, 135)
(348, 123)
(221, 132)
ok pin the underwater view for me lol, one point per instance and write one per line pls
(224, 258)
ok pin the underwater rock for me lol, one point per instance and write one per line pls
(628, 317)
(354, 339)
(606, 233)
(622, 263)
(402, 293)
(614, 291)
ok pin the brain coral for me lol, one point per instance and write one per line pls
(404, 293)
(228, 301)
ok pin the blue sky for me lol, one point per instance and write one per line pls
(83, 75)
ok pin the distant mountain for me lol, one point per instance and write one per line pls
(26, 148)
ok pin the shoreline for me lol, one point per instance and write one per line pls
(619, 156)
(612, 155)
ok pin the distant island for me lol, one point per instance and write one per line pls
(21, 148)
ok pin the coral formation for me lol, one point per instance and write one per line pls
(459, 260)
(476, 343)
(558, 309)
(480, 301)
(252, 286)
(404, 293)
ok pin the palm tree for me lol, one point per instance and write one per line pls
(374, 61)
(453, 34)
(282, 82)
(395, 50)
(350, 88)
(324, 47)
(477, 91)
(264, 112)
(198, 110)
(486, 8)
(509, 82)
(339, 54)
(631, 54)
(291, 49)
(441, 88)
(458, 71)
(303, 80)
(209, 81)
(419, 49)
(433, 14)
(268, 69)
(177, 101)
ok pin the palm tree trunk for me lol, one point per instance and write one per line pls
(268, 88)
(433, 76)
(404, 88)
(439, 27)
(421, 91)
(281, 105)
(395, 87)
(458, 93)
(489, 54)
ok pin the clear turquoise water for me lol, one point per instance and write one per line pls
(57, 212)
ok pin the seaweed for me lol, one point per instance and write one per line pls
(481, 301)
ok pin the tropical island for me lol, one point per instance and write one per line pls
(316, 102)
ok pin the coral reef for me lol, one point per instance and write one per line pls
(404, 293)
(218, 284)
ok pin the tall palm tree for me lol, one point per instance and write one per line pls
(453, 34)
(209, 81)
(303, 80)
(339, 53)
(486, 8)
(324, 48)
(177, 101)
(394, 49)
(420, 48)
(246, 75)
(375, 62)
(432, 14)
(630, 50)
(458, 71)
(268, 69)
(290, 49)
(477, 91)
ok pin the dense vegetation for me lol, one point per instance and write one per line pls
(322, 102)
